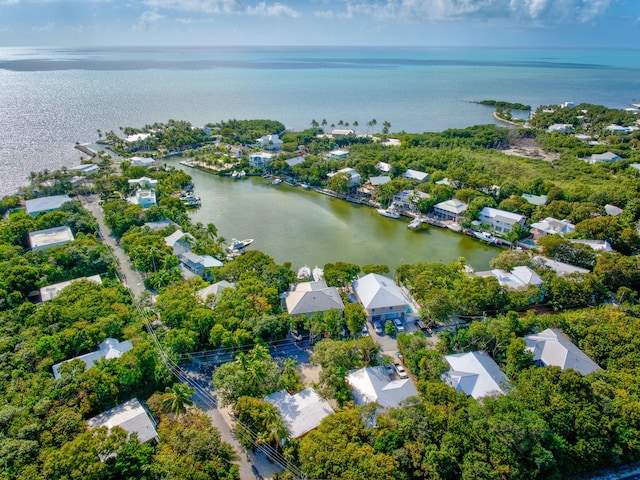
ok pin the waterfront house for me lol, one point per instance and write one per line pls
(559, 268)
(145, 194)
(354, 177)
(476, 374)
(551, 347)
(301, 412)
(107, 350)
(500, 221)
(519, 278)
(381, 298)
(270, 142)
(211, 293)
(408, 199)
(452, 209)
(292, 162)
(537, 200)
(137, 137)
(373, 384)
(551, 226)
(50, 237)
(52, 291)
(131, 417)
(36, 206)
(560, 128)
(337, 154)
(259, 159)
(307, 298)
(596, 245)
(84, 168)
(179, 242)
(193, 264)
(605, 157)
(379, 180)
(347, 132)
(142, 161)
(416, 175)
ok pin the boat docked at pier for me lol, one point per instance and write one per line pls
(237, 245)
(189, 199)
(415, 223)
(304, 273)
(485, 237)
(390, 212)
(317, 274)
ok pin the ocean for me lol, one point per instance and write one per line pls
(50, 98)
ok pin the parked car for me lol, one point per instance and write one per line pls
(378, 328)
(402, 373)
(421, 325)
(389, 369)
(398, 324)
(364, 332)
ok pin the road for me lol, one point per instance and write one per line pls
(251, 466)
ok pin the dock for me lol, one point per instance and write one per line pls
(86, 150)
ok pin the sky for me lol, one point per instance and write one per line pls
(509, 23)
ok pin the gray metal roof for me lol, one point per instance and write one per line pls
(552, 347)
(131, 417)
(373, 384)
(378, 291)
(45, 204)
(476, 374)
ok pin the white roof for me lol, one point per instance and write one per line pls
(301, 412)
(144, 182)
(131, 417)
(535, 199)
(141, 161)
(45, 204)
(108, 349)
(597, 245)
(85, 168)
(137, 137)
(372, 384)
(50, 237)
(520, 277)
(294, 161)
(214, 289)
(377, 291)
(489, 212)
(261, 155)
(380, 180)
(453, 205)
(551, 347)
(416, 175)
(552, 225)
(52, 291)
(310, 297)
(559, 127)
(612, 210)
(559, 268)
(476, 374)
(385, 167)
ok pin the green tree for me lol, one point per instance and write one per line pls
(178, 398)
(355, 317)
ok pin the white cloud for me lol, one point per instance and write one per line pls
(148, 20)
(202, 6)
(47, 27)
(274, 10)
(324, 13)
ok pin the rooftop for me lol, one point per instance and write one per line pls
(377, 291)
(476, 374)
(52, 291)
(50, 237)
(373, 384)
(131, 417)
(551, 347)
(45, 204)
(108, 349)
(301, 412)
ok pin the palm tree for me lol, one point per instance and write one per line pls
(177, 398)
(314, 123)
(385, 127)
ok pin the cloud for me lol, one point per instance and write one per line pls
(148, 20)
(542, 11)
(275, 10)
(47, 27)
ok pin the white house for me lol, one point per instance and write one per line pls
(292, 162)
(213, 291)
(476, 374)
(408, 199)
(379, 180)
(193, 264)
(50, 237)
(596, 245)
(381, 298)
(605, 157)
(179, 242)
(560, 128)
(301, 412)
(45, 204)
(551, 347)
(612, 210)
(500, 220)
(84, 168)
(347, 132)
(338, 154)
(131, 417)
(519, 278)
(259, 159)
(137, 137)
(270, 142)
(307, 298)
(108, 349)
(52, 291)
(145, 195)
(551, 226)
(537, 200)
(384, 167)
(416, 175)
(559, 268)
(373, 384)
(142, 161)
(355, 178)
(452, 209)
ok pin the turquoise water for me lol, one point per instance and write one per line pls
(51, 98)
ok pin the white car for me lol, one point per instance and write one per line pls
(402, 373)
(399, 325)
(364, 332)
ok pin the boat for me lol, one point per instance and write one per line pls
(234, 174)
(415, 223)
(389, 212)
(304, 273)
(484, 236)
(192, 202)
(277, 181)
(454, 227)
(305, 185)
(237, 245)
(317, 273)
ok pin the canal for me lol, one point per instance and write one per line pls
(307, 228)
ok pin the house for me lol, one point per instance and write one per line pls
(337, 154)
(354, 177)
(380, 180)
(551, 347)
(213, 291)
(500, 221)
(131, 417)
(381, 298)
(193, 264)
(142, 161)
(452, 209)
(613, 128)
(560, 128)
(559, 268)
(602, 158)
(137, 137)
(159, 225)
(551, 226)
(373, 384)
(391, 142)
(292, 162)
(612, 210)
(270, 142)
(408, 199)
(108, 349)
(476, 374)
(145, 195)
(51, 237)
(416, 175)
(519, 278)
(52, 291)
(179, 242)
(84, 168)
(301, 412)
(307, 298)
(537, 200)
(36, 206)
(343, 132)
(384, 167)
(597, 245)
(259, 159)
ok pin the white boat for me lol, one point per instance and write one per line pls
(236, 245)
(277, 181)
(485, 237)
(454, 227)
(415, 223)
(234, 174)
(389, 212)
(317, 273)
(304, 273)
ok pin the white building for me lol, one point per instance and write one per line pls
(301, 412)
(500, 221)
(560, 128)
(519, 278)
(552, 226)
(355, 178)
(452, 209)
(381, 298)
(416, 175)
(270, 142)
(108, 349)
(373, 384)
(307, 298)
(605, 157)
(259, 159)
(51, 237)
(551, 347)
(476, 374)
(45, 204)
(52, 291)
(131, 417)
(145, 195)
(408, 199)
(338, 154)
(559, 268)
(142, 161)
